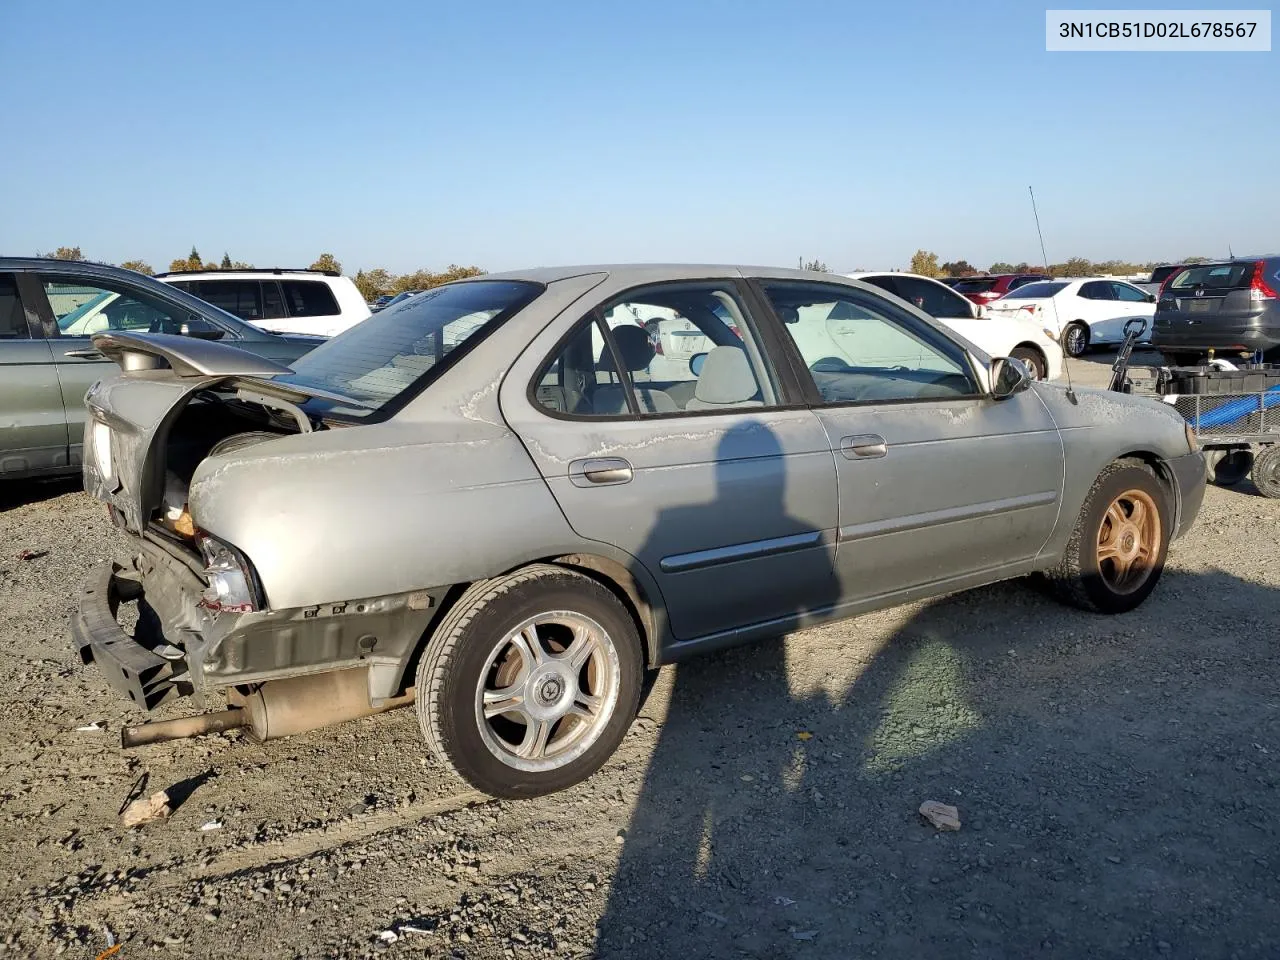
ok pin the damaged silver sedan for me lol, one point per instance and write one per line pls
(509, 498)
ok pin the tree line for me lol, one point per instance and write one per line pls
(925, 263)
(372, 284)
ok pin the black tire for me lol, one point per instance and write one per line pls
(1231, 468)
(1080, 579)
(1075, 339)
(456, 661)
(238, 441)
(1266, 471)
(1034, 360)
(1180, 359)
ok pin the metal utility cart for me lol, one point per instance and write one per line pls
(1234, 410)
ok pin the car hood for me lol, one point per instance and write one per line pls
(130, 413)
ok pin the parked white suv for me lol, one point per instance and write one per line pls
(318, 302)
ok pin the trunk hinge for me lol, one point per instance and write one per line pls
(275, 403)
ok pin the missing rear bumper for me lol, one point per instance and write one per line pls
(130, 667)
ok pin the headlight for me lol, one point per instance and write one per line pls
(233, 587)
(1193, 442)
(102, 449)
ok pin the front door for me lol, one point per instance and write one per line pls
(699, 468)
(938, 482)
(33, 428)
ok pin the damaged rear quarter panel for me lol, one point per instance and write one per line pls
(379, 509)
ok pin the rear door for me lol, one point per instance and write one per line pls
(33, 426)
(725, 494)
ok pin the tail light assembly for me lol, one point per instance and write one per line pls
(233, 585)
(1259, 289)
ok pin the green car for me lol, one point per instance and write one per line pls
(49, 309)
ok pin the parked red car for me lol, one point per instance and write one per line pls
(994, 286)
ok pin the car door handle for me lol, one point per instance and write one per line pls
(600, 472)
(865, 446)
(83, 354)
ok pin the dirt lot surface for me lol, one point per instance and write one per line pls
(1116, 779)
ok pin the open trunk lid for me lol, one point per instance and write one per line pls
(131, 414)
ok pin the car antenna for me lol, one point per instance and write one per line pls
(1066, 365)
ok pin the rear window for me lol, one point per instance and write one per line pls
(1161, 274)
(1214, 276)
(975, 285)
(379, 360)
(1037, 291)
(309, 298)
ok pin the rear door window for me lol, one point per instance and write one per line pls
(933, 299)
(272, 302)
(13, 321)
(240, 297)
(309, 298)
(1097, 290)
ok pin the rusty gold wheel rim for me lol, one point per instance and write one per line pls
(1129, 541)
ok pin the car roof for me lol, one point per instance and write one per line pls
(89, 270)
(257, 273)
(863, 274)
(650, 272)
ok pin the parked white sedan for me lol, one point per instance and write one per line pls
(1083, 313)
(999, 336)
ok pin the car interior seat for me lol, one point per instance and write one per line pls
(636, 352)
(726, 381)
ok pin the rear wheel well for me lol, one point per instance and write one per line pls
(620, 581)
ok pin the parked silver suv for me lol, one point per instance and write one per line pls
(487, 501)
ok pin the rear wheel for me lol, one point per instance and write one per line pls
(1266, 471)
(1117, 551)
(1075, 339)
(530, 682)
(1034, 360)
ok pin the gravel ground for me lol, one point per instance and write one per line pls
(1116, 780)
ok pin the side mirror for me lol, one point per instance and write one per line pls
(1009, 375)
(696, 362)
(1151, 298)
(200, 329)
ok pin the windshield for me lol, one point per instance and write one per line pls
(379, 359)
(1037, 291)
(68, 321)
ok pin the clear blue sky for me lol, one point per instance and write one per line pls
(510, 134)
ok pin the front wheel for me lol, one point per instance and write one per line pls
(530, 682)
(1075, 339)
(1117, 551)
(1266, 471)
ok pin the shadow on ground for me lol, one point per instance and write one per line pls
(1116, 787)
(15, 493)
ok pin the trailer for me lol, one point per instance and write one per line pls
(1234, 410)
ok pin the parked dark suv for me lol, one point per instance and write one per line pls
(985, 289)
(1232, 307)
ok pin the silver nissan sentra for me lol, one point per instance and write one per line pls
(507, 499)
